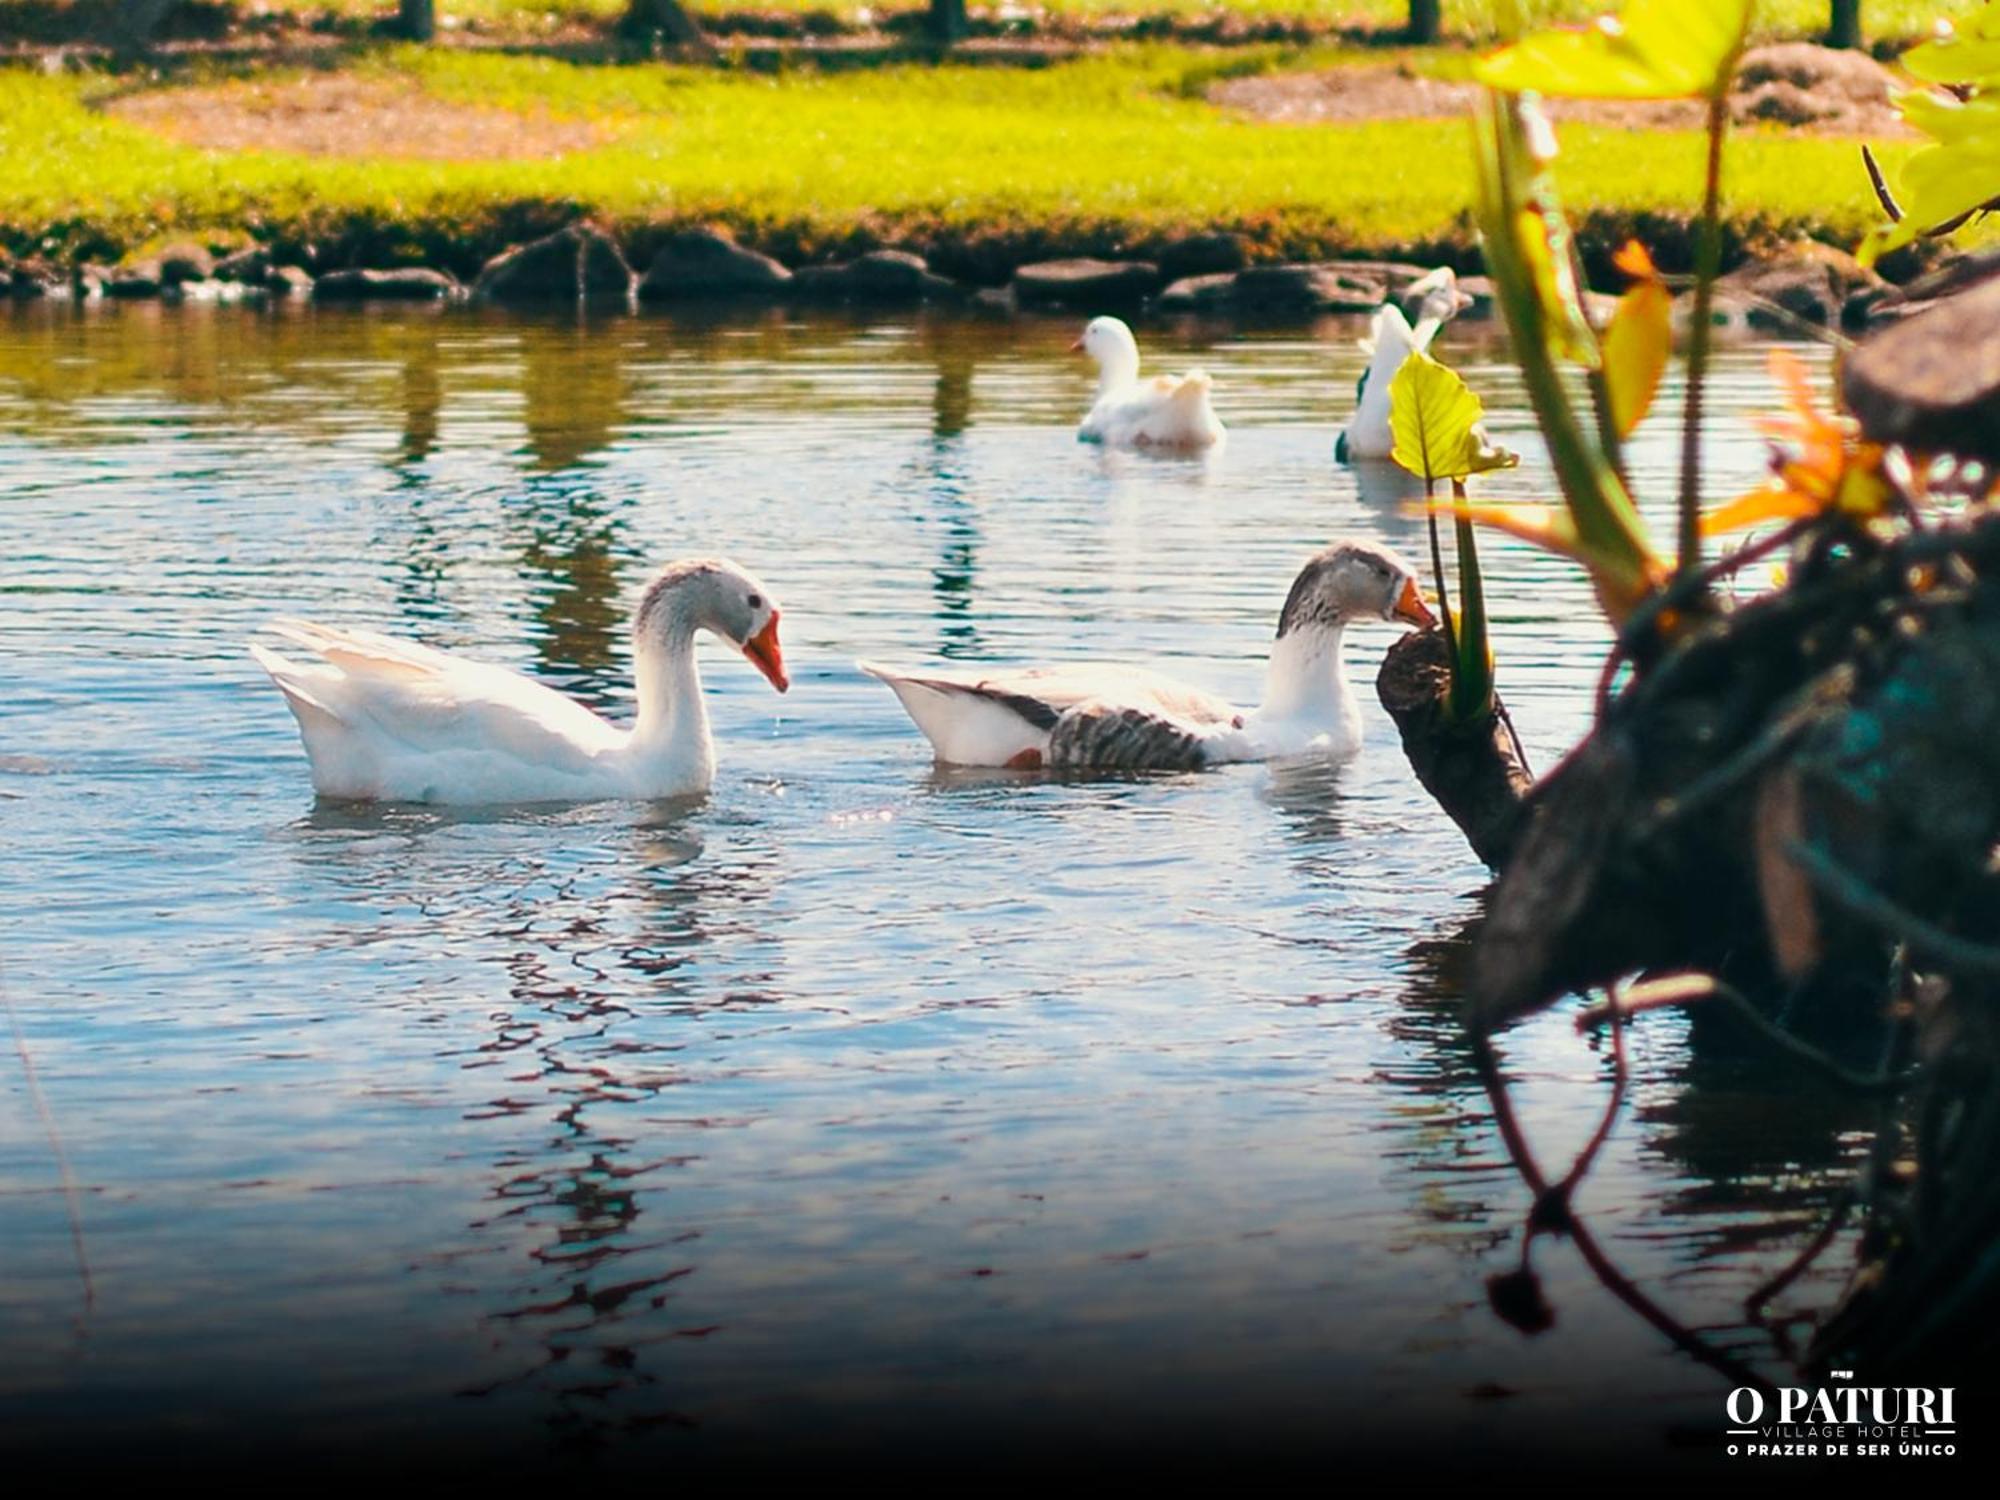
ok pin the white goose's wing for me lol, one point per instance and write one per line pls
(1167, 411)
(367, 702)
(1104, 717)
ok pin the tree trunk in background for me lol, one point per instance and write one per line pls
(1424, 23)
(670, 19)
(417, 18)
(1843, 28)
(136, 22)
(947, 21)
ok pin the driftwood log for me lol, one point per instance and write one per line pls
(1475, 771)
(1800, 797)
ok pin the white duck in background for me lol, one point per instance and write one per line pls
(1391, 340)
(1168, 411)
(390, 720)
(1115, 718)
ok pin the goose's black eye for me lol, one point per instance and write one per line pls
(755, 601)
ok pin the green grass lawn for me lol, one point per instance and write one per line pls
(1112, 152)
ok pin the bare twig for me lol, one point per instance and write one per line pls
(1613, 1280)
(1802, 1262)
(1620, 1078)
(1688, 989)
(1881, 186)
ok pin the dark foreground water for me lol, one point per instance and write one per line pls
(857, 1108)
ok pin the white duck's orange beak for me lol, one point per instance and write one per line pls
(1410, 606)
(1076, 344)
(767, 655)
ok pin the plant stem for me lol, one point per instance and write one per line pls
(1708, 261)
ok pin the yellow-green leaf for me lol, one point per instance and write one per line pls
(1968, 54)
(1432, 414)
(1653, 49)
(1636, 348)
(1940, 184)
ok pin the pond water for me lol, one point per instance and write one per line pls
(858, 1108)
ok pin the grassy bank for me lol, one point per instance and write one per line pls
(1114, 152)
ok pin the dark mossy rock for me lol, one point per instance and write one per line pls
(1303, 289)
(405, 284)
(579, 263)
(288, 281)
(1889, 304)
(25, 280)
(184, 261)
(1932, 381)
(134, 281)
(1203, 255)
(1807, 283)
(251, 266)
(1394, 275)
(695, 263)
(1780, 294)
(994, 302)
(889, 277)
(1213, 293)
(1086, 285)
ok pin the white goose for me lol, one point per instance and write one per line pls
(1390, 341)
(390, 720)
(1127, 718)
(1168, 411)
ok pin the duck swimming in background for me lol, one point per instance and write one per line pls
(1391, 340)
(390, 720)
(1118, 718)
(1167, 411)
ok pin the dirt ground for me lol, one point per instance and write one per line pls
(331, 114)
(1793, 84)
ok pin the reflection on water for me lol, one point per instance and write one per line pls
(857, 1102)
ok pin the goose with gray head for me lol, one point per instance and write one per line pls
(1121, 718)
(394, 721)
(1392, 339)
(1168, 411)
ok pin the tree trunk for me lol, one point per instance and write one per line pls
(417, 19)
(1843, 27)
(137, 21)
(1424, 20)
(1475, 771)
(667, 18)
(948, 22)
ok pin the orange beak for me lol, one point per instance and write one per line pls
(767, 655)
(1411, 607)
(1076, 345)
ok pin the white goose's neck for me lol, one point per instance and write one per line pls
(1117, 369)
(1306, 696)
(671, 731)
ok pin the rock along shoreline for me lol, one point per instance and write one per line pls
(1802, 286)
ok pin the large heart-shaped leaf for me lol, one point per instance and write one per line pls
(1435, 421)
(1653, 49)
